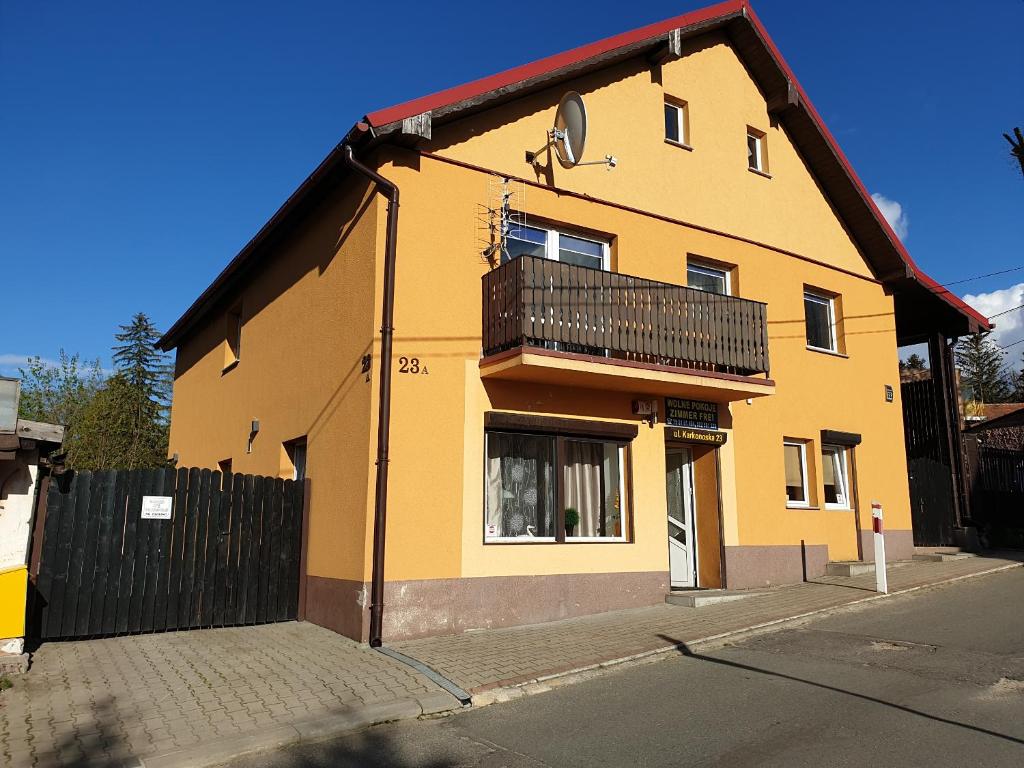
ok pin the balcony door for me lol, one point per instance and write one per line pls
(682, 542)
(554, 244)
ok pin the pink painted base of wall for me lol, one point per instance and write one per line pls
(899, 545)
(431, 607)
(748, 567)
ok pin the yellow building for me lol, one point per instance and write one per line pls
(676, 368)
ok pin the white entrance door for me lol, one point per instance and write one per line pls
(681, 544)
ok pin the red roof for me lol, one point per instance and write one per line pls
(511, 77)
(478, 93)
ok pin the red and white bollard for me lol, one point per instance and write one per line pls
(881, 583)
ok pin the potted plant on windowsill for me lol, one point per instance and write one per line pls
(572, 519)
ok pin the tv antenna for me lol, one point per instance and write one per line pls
(568, 136)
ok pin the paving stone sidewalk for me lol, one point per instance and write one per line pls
(110, 702)
(481, 661)
(113, 701)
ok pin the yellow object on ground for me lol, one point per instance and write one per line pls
(13, 588)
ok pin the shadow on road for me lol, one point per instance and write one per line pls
(685, 650)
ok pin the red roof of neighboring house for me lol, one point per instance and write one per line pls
(478, 94)
(991, 411)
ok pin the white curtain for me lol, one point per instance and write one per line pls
(494, 489)
(582, 479)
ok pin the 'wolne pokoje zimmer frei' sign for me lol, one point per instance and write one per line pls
(693, 414)
(157, 507)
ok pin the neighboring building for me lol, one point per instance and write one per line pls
(997, 425)
(527, 362)
(978, 414)
(24, 450)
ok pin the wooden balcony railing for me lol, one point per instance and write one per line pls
(532, 301)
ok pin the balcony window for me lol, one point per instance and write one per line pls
(550, 243)
(526, 476)
(819, 317)
(707, 278)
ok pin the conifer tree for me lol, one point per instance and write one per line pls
(981, 369)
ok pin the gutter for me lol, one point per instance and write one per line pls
(380, 505)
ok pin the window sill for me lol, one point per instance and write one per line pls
(759, 172)
(679, 144)
(831, 352)
(524, 540)
(804, 507)
(595, 540)
(838, 508)
(229, 367)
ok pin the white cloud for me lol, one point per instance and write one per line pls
(10, 363)
(1009, 327)
(894, 214)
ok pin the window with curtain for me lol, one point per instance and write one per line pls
(796, 474)
(520, 487)
(592, 484)
(526, 475)
(833, 469)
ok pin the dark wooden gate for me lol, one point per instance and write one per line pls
(929, 465)
(228, 555)
(997, 485)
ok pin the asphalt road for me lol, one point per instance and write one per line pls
(935, 678)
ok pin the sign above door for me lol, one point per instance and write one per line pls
(694, 414)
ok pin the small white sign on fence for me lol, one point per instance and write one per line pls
(157, 507)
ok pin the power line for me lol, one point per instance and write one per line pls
(979, 277)
(1006, 311)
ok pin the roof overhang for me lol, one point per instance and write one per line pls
(414, 120)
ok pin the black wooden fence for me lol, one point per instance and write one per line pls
(228, 555)
(997, 497)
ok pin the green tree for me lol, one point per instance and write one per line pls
(981, 369)
(123, 428)
(60, 394)
(915, 362)
(126, 423)
(141, 363)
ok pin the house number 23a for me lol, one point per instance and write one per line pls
(411, 365)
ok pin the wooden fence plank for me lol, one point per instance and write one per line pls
(76, 553)
(210, 554)
(130, 553)
(149, 530)
(176, 556)
(168, 484)
(57, 505)
(252, 570)
(199, 559)
(224, 565)
(272, 563)
(188, 563)
(236, 581)
(116, 558)
(87, 591)
(104, 511)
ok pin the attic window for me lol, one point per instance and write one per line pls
(757, 155)
(677, 123)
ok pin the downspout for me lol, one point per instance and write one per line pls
(380, 505)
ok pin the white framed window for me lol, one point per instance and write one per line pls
(707, 278)
(795, 454)
(756, 156)
(677, 122)
(555, 244)
(820, 319)
(833, 469)
(525, 475)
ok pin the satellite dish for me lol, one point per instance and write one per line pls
(570, 131)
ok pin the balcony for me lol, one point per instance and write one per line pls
(548, 321)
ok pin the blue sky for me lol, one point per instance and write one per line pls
(142, 144)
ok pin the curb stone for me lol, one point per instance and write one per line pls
(318, 728)
(548, 681)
